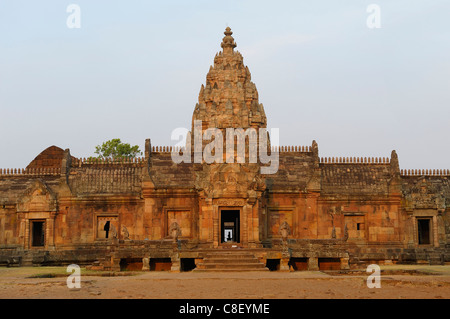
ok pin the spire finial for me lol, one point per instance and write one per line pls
(228, 43)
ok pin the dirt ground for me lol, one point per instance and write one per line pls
(407, 282)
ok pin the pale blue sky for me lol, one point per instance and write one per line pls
(134, 70)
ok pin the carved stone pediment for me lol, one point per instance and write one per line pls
(425, 195)
(230, 180)
(230, 202)
(38, 197)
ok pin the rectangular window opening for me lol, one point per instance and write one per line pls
(38, 233)
(424, 231)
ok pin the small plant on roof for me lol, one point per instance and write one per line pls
(115, 149)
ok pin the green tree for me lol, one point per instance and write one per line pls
(114, 149)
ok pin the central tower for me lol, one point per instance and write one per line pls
(229, 98)
(229, 191)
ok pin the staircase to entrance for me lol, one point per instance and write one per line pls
(230, 260)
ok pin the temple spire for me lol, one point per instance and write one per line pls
(229, 98)
(228, 43)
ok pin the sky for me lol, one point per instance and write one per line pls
(133, 70)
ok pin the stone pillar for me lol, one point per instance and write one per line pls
(176, 264)
(410, 230)
(115, 264)
(284, 264)
(27, 234)
(216, 229)
(313, 263)
(50, 231)
(344, 263)
(265, 223)
(22, 230)
(440, 225)
(175, 258)
(285, 255)
(145, 263)
(244, 225)
(434, 231)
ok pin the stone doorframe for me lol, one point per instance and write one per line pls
(25, 235)
(219, 230)
(434, 240)
(436, 227)
(229, 204)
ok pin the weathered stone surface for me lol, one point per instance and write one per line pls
(353, 211)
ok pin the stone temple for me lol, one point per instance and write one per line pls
(152, 213)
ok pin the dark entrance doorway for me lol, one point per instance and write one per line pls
(230, 225)
(424, 233)
(38, 233)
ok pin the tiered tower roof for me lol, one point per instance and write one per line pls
(229, 98)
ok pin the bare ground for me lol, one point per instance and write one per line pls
(407, 282)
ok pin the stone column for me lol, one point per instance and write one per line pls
(115, 263)
(344, 263)
(313, 263)
(22, 229)
(175, 258)
(441, 229)
(435, 232)
(176, 264)
(27, 234)
(215, 230)
(145, 263)
(50, 231)
(409, 230)
(284, 264)
(244, 225)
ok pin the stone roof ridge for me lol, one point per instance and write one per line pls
(291, 149)
(38, 171)
(355, 160)
(281, 149)
(425, 172)
(95, 161)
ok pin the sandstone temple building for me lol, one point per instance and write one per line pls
(154, 214)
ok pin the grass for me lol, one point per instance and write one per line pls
(53, 272)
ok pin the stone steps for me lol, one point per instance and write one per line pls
(435, 258)
(231, 261)
(27, 259)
